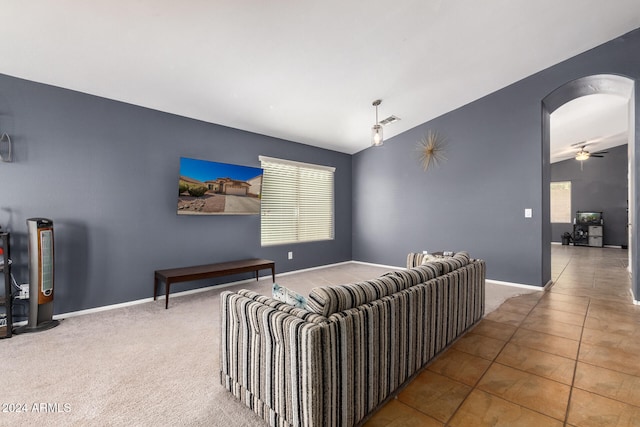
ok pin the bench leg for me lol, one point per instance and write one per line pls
(273, 274)
(155, 288)
(167, 287)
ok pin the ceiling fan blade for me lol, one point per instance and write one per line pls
(596, 155)
(587, 142)
(601, 152)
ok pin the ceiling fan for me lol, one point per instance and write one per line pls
(583, 154)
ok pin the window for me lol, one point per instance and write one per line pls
(560, 206)
(297, 202)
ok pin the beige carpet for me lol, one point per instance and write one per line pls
(143, 365)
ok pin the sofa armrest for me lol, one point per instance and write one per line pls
(414, 259)
(271, 358)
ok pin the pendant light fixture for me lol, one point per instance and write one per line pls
(5, 148)
(376, 130)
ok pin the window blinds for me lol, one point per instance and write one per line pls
(297, 202)
(560, 202)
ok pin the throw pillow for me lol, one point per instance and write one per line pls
(435, 257)
(288, 296)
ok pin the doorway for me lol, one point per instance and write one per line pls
(610, 85)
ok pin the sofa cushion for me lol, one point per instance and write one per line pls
(463, 255)
(415, 258)
(449, 264)
(411, 278)
(419, 274)
(427, 258)
(326, 300)
(428, 271)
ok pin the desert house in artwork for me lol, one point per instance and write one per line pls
(226, 186)
(229, 186)
(216, 188)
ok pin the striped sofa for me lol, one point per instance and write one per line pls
(337, 361)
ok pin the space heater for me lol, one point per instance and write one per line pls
(40, 231)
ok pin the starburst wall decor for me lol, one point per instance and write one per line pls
(431, 148)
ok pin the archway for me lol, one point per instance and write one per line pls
(590, 85)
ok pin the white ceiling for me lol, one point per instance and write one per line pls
(300, 70)
(596, 121)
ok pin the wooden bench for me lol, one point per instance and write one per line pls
(187, 274)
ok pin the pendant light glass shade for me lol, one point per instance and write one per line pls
(376, 130)
(376, 135)
(5, 148)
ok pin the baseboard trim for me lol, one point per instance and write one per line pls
(287, 273)
(394, 267)
(150, 299)
(495, 282)
(178, 294)
(520, 285)
(240, 282)
(604, 246)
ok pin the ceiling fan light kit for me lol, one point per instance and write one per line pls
(583, 154)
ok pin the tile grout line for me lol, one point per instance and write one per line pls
(596, 393)
(475, 385)
(546, 292)
(586, 283)
(575, 367)
(493, 361)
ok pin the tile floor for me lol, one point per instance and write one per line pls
(566, 357)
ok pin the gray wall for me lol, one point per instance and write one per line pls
(600, 186)
(475, 200)
(106, 173)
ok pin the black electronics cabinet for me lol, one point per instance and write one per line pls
(6, 296)
(588, 229)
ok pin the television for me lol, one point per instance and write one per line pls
(589, 218)
(213, 188)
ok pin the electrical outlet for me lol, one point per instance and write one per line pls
(24, 291)
(290, 255)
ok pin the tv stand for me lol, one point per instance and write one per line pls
(588, 235)
(6, 297)
(588, 229)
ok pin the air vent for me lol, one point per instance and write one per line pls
(388, 120)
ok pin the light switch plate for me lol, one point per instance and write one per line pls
(528, 213)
